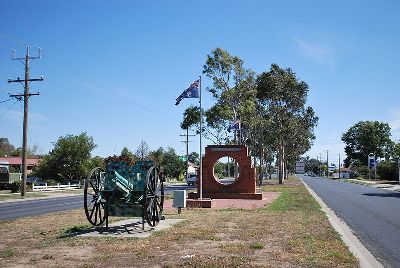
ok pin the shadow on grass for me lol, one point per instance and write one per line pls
(129, 228)
(383, 194)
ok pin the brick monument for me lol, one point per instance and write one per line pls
(244, 187)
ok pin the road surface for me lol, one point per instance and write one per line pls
(373, 215)
(35, 207)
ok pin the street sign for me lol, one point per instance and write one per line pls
(371, 161)
(300, 167)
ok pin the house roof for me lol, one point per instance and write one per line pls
(15, 161)
(344, 169)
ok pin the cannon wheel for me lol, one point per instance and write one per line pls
(95, 210)
(153, 197)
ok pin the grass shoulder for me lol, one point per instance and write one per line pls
(291, 232)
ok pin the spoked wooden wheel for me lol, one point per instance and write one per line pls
(94, 208)
(153, 197)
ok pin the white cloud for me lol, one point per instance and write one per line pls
(316, 52)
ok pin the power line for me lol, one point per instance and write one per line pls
(8, 109)
(5, 100)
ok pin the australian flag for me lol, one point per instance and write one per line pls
(234, 125)
(191, 92)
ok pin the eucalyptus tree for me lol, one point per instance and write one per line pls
(284, 97)
(233, 89)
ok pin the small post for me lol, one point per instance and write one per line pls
(398, 166)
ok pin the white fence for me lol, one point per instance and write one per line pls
(58, 187)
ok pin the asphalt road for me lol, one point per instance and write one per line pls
(35, 207)
(373, 215)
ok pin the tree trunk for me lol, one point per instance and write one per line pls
(280, 161)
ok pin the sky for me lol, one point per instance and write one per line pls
(114, 68)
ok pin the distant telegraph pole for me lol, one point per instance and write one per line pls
(327, 162)
(25, 60)
(187, 149)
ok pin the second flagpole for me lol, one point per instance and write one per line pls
(201, 149)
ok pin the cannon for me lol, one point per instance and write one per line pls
(124, 189)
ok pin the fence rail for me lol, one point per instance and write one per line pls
(58, 187)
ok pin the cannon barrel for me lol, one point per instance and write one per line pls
(121, 182)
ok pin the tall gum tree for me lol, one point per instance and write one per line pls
(233, 89)
(283, 97)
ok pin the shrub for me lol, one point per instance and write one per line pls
(387, 170)
(15, 187)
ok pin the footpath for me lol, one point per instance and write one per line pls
(376, 184)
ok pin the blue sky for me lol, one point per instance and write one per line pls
(114, 68)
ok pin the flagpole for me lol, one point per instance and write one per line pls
(201, 148)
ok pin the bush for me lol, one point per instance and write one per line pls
(387, 170)
(362, 171)
(15, 187)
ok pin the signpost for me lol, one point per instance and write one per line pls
(300, 167)
(371, 164)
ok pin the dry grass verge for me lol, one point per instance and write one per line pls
(291, 232)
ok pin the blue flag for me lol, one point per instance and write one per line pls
(191, 92)
(234, 125)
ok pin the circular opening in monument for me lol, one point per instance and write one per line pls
(226, 170)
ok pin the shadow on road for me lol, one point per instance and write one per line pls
(384, 194)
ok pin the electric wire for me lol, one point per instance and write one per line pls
(5, 100)
(8, 109)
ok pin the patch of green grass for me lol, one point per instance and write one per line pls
(7, 252)
(256, 245)
(234, 248)
(67, 232)
(293, 199)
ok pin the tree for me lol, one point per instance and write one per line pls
(31, 152)
(169, 161)
(234, 91)
(69, 159)
(194, 158)
(364, 138)
(143, 150)
(283, 97)
(5, 147)
(157, 156)
(387, 170)
(191, 117)
(127, 154)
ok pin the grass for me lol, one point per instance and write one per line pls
(291, 232)
(10, 196)
(7, 252)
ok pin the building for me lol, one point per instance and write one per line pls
(14, 163)
(345, 173)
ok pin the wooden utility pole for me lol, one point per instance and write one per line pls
(187, 149)
(327, 163)
(26, 96)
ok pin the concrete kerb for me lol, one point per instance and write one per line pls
(364, 256)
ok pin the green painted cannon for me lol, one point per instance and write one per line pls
(126, 190)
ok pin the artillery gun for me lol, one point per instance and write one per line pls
(124, 189)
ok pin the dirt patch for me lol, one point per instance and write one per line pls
(291, 232)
